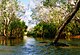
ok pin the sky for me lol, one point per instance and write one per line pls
(28, 4)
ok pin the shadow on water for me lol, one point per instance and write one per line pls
(9, 42)
(32, 46)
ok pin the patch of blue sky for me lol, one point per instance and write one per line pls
(28, 4)
(25, 2)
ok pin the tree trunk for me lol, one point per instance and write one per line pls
(10, 33)
(68, 19)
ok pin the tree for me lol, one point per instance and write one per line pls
(44, 30)
(17, 28)
(51, 13)
(9, 10)
(56, 13)
(68, 19)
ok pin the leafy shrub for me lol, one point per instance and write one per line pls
(17, 28)
(44, 30)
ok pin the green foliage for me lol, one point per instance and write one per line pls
(53, 2)
(54, 13)
(49, 2)
(17, 24)
(48, 30)
(17, 28)
(44, 30)
(73, 27)
(8, 18)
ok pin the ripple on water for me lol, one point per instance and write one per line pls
(33, 47)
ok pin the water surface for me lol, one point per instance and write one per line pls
(30, 46)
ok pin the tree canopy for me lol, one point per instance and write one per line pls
(10, 16)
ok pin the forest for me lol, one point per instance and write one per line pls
(57, 19)
(11, 25)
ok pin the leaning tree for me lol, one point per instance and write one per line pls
(67, 20)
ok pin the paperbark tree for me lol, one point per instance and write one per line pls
(10, 10)
(68, 19)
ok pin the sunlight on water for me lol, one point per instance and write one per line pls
(25, 37)
(30, 46)
(29, 41)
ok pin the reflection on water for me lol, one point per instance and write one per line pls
(30, 46)
(28, 40)
(10, 42)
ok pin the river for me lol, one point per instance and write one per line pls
(31, 46)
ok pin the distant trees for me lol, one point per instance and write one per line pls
(43, 30)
